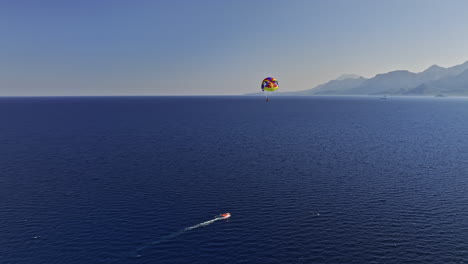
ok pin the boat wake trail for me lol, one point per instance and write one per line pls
(204, 223)
(176, 234)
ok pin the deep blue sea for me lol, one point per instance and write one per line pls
(307, 180)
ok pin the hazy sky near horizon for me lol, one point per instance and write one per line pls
(218, 47)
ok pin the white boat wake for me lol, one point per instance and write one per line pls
(204, 223)
(176, 234)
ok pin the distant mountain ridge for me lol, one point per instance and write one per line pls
(435, 80)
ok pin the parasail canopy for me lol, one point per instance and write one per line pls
(269, 84)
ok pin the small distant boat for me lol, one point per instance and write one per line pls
(226, 215)
(384, 97)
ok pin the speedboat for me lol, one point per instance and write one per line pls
(226, 215)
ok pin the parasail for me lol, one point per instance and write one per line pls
(269, 85)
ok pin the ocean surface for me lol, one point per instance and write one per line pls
(307, 180)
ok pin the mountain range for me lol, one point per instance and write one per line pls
(434, 81)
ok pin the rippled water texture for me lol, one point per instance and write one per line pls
(307, 180)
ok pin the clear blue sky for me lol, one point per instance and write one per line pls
(176, 47)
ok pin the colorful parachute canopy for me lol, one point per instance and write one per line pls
(270, 84)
